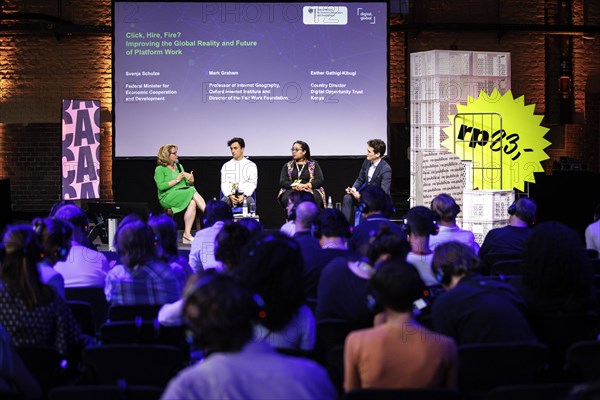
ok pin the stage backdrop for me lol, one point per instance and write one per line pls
(80, 149)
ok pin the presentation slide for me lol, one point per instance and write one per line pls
(197, 74)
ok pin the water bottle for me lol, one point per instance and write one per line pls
(329, 203)
(245, 207)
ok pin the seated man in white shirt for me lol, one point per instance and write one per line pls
(239, 176)
(83, 267)
(446, 210)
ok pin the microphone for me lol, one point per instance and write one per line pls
(178, 166)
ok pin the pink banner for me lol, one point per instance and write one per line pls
(80, 149)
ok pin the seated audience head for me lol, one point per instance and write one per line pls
(294, 199)
(58, 205)
(374, 200)
(136, 243)
(524, 209)
(396, 284)
(331, 223)
(76, 217)
(378, 146)
(272, 266)
(55, 238)
(165, 232)
(420, 222)
(19, 256)
(220, 312)
(555, 263)
(164, 153)
(216, 211)
(445, 208)
(452, 261)
(230, 242)
(386, 244)
(252, 225)
(306, 212)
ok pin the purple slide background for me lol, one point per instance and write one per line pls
(286, 53)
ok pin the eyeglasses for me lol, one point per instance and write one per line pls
(174, 152)
(295, 150)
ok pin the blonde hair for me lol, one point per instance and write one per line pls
(163, 154)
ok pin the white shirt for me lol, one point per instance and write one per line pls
(202, 251)
(243, 172)
(453, 234)
(372, 169)
(592, 236)
(422, 263)
(83, 267)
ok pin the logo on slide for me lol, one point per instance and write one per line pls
(325, 15)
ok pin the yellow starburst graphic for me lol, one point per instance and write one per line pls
(502, 138)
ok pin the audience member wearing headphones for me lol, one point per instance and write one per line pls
(306, 213)
(400, 353)
(446, 210)
(592, 232)
(271, 266)
(222, 315)
(500, 243)
(558, 287)
(140, 277)
(202, 251)
(474, 310)
(229, 243)
(83, 267)
(165, 232)
(294, 199)
(343, 284)
(31, 311)
(376, 207)
(418, 225)
(331, 231)
(374, 171)
(55, 239)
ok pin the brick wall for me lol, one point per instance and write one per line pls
(39, 68)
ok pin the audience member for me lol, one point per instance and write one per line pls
(343, 290)
(446, 210)
(229, 244)
(592, 232)
(556, 283)
(272, 267)
(419, 225)
(83, 266)
(55, 239)
(140, 278)
(239, 176)
(330, 231)
(375, 206)
(474, 310)
(221, 314)
(83, 240)
(165, 233)
(374, 171)
(14, 376)
(254, 226)
(509, 241)
(295, 198)
(30, 310)
(400, 353)
(202, 251)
